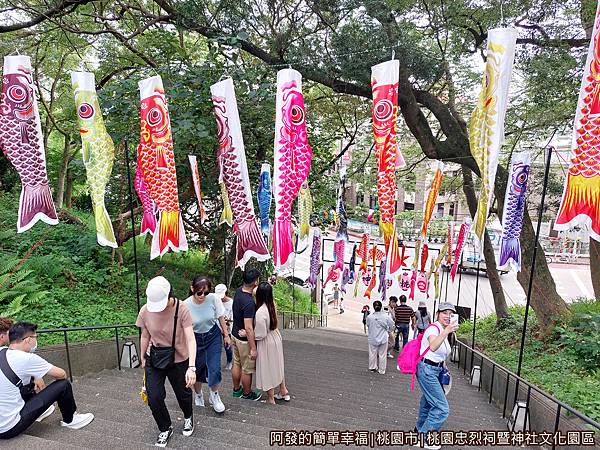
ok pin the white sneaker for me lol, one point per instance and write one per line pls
(46, 413)
(228, 366)
(215, 400)
(79, 421)
(199, 400)
(188, 427)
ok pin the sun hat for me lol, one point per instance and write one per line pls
(157, 294)
(220, 291)
(445, 306)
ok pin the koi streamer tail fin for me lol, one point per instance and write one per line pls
(509, 249)
(580, 205)
(171, 234)
(35, 204)
(104, 229)
(282, 242)
(250, 242)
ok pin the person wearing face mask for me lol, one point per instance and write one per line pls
(22, 401)
(434, 409)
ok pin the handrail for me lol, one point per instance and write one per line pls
(530, 387)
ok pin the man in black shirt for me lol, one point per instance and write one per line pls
(244, 345)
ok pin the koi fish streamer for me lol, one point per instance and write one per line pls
(373, 276)
(342, 232)
(97, 150)
(460, 244)
(232, 160)
(338, 266)
(315, 259)
(384, 84)
(404, 281)
(227, 213)
(264, 196)
(148, 205)
(352, 266)
(305, 207)
(157, 163)
(580, 204)
(486, 128)
(382, 289)
(197, 188)
(435, 270)
(422, 279)
(449, 242)
(434, 190)
(292, 156)
(22, 143)
(514, 206)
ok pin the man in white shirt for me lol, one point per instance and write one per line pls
(19, 365)
(379, 325)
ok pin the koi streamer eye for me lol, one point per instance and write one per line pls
(383, 109)
(297, 115)
(17, 94)
(86, 111)
(155, 116)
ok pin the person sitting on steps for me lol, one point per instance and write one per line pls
(23, 401)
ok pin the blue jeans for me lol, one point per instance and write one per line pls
(401, 328)
(434, 409)
(208, 356)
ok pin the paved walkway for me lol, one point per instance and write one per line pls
(331, 389)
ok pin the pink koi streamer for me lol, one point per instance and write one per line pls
(292, 157)
(197, 188)
(148, 205)
(460, 244)
(22, 142)
(232, 160)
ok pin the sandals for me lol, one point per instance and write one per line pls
(285, 397)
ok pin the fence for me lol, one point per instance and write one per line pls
(544, 412)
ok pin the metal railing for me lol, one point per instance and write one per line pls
(65, 333)
(307, 320)
(509, 376)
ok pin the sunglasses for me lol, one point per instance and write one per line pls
(202, 293)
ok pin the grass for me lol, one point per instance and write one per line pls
(560, 363)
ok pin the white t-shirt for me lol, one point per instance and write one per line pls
(443, 350)
(25, 365)
(228, 308)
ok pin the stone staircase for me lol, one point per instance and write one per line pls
(326, 373)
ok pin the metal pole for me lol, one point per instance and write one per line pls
(475, 313)
(135, 258)
(225, 256)
(530, 286)
(459, 280)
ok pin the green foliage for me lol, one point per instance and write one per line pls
(566, 364)
(299, 302)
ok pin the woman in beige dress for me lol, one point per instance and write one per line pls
(269, 347)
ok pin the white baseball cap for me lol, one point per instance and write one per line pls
(220, 291)
(157, 294)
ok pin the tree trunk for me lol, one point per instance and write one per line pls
(595, 266)
(69, 190)
(545, 301)
(500, 305)
(62, 172)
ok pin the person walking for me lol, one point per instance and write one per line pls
(207, 314)
(422, 318)
(221, 292)
(336, 297)
(167, 350)
(365, 313)
(244, 347)
(405, 318)
(379, 325)
(433, 407)
(269, 346)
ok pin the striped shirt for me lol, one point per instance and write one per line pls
(403, 314)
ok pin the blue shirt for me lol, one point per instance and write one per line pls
(206, 314)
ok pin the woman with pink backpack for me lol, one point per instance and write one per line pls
(435, 349)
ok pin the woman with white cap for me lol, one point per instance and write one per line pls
(221, 292)
(207, 311)
(167, 350)
(435, 348)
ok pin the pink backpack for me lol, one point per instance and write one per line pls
(410, 356)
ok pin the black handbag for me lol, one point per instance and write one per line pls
(27, 390)
(164, 357)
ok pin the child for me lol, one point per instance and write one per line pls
(365, 313)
